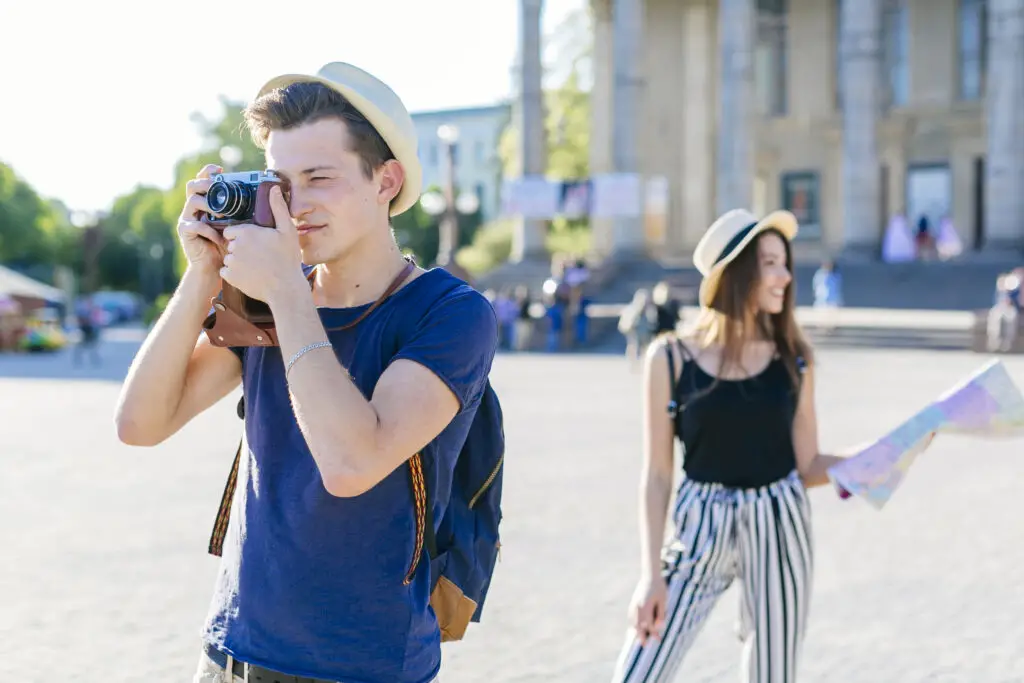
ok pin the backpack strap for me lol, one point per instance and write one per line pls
(220, 524)
(422, 511)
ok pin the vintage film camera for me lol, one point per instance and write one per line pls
(234, 199)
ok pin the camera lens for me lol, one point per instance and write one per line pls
(228, 199)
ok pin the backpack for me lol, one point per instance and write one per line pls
(465, 548)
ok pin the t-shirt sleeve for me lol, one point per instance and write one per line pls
(456, 340)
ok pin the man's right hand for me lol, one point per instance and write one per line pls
(204, 246)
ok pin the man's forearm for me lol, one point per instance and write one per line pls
(155, 382)
(335, 418)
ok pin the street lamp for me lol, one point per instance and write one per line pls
(446, 204)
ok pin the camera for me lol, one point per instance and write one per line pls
(236, 198)
(243, 197)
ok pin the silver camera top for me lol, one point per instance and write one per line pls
(247, 177)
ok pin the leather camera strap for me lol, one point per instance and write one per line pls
(410, 265)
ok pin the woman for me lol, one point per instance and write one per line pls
(738, 392)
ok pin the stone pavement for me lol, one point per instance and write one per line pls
(105, 576)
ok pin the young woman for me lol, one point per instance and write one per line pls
(738, 392)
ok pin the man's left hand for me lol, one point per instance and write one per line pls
(264, 263)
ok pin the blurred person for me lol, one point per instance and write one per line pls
(828, 292)
(737, 391)
(1003, 315)
(666, 308)
(89, 318)
(636, 325)
(524, 318)
(379, 373)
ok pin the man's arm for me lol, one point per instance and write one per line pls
(357, 443)
(174, 378)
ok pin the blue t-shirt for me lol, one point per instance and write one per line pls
(311, 584)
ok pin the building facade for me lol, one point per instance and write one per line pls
(847, 112)
(477, 165)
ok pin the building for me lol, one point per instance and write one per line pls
(477, 166)
(845, 111)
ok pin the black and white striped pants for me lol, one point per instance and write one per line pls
(760, 536)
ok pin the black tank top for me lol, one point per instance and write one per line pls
(740, 433)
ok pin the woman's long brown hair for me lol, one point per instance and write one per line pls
(733, 318)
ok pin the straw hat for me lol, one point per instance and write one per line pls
(727, 237)
(382, 108)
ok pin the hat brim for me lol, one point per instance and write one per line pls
(404, 153)
(783, 221)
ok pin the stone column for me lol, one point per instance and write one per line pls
(529, 234)
(734, 161)
(627, 104)
(601, 97)
(860, 60)
(1004, 114)
(698, 83)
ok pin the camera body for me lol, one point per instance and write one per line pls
(243, 197)
(234, 199)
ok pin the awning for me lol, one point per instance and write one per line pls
(13, 283)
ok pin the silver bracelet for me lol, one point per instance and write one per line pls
(302, 352)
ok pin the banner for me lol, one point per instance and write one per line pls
(608, 195)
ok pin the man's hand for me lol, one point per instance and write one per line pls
(203, 245)
(264, 262)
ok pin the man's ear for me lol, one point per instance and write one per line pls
(391, 177)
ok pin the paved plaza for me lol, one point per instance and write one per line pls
(105, 577)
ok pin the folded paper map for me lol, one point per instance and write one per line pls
(987, 404)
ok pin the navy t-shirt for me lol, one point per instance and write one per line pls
(311, 584)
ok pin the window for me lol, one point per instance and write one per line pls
(770, 57)
(800, 195)
(973, 31)
(895, 37)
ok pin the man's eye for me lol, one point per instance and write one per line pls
(318, 178)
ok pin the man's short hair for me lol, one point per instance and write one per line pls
(302, 103)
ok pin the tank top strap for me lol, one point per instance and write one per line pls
(673, 377)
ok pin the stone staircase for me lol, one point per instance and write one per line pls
(963, 285)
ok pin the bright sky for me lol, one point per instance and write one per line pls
(98, 94)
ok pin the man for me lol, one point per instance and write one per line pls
(313, 577)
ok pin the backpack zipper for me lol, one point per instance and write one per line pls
(486, 484)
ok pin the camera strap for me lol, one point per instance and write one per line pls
(225, 326)
(410, 265)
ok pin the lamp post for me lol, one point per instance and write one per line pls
(446, 205)
(449, 226)
(89, 223)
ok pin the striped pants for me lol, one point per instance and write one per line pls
(761, 536)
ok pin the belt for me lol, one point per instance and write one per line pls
(250, 673)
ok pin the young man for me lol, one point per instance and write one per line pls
(313, 577)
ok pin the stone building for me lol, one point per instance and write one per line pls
(844, 111)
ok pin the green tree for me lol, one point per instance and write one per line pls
(33, 231)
